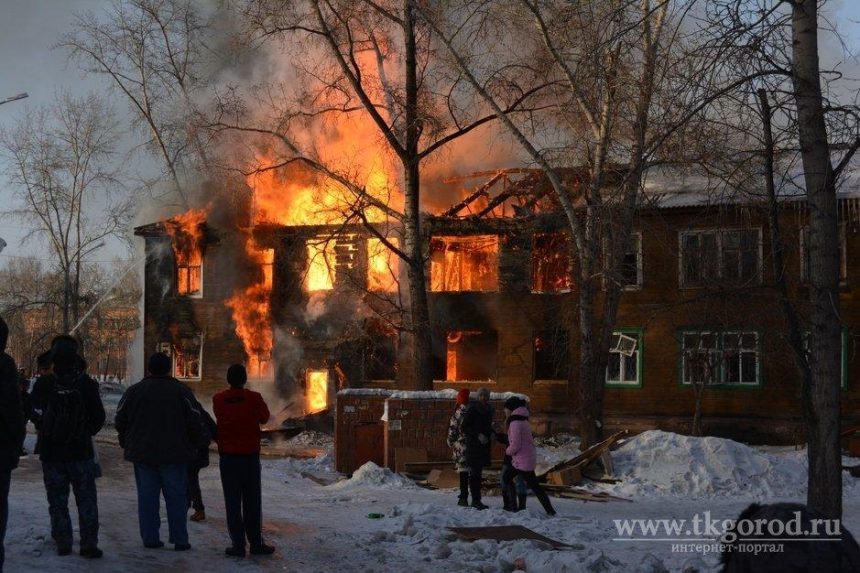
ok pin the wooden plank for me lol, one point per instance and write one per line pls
(588, 455)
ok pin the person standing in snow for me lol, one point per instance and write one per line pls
(159, 426)
(478, 428)
(12, 430)
(239, 414)
(195, 494)
(523, 454)
(457, 443)
(514, 498)
(67, 411)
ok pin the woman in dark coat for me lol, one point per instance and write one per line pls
(478, 427)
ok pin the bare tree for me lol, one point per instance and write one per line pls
(373, 64)
(154, 54)
(61, 166)
(631, 86)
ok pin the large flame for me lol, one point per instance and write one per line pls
(316, 392)
(186, 233)
(252, 314)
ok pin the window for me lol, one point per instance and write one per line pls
(383, 266)
(189, 277)
(320, 272)
(466, 355)
(732, 256)
(187, 355)
(464, 263)
(551, 355)
(804, 255)
(844, 356)
(631, 262)
(550, 263)
(730, 358)
(624, 368)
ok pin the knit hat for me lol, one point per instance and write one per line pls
(237, 375)
(514, 402)
(462, 396)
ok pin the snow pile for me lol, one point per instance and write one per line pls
(663, 463)
(371, 475)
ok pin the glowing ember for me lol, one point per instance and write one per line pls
(186, 232)
(468, 263)
(316, 397)
(383, 266)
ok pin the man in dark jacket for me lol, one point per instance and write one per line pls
(478, 427)
(159, 427)
(67, 410)
(11, 430)
(239, 414)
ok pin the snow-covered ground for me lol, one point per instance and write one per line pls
(326, 528)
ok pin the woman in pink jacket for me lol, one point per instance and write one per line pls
(521, 448)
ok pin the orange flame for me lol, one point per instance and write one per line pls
(186, 232)
(316, 391)
(383, 266)
(467, 263)
(251, 313)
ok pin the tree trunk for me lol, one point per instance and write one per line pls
(420, 313)
(825, 468)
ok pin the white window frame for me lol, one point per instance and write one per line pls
(720, 353)
(616, 354)
(802, 239)
(718, 233)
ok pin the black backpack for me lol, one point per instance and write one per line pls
(65, 418)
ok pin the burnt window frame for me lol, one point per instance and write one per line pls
(498, 243)
(565, 237)
(719, 350)
(176, 281)
(438, 366)
(169, 348)
(563, 335)
(640, 270)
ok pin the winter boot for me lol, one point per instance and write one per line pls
(506, 501)
(199, 515)
(463, 500)
(521, 502)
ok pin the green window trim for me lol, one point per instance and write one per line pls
(640, 359)
(722, 367)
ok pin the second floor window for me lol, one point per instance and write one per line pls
(720, 256)
(804, 254)
(189, 278)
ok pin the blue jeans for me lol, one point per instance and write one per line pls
(81, 476)
(152, 481)
(240, 478)
(5, 479)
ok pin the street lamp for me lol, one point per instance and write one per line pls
(15, 98)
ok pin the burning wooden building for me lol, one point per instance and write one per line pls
(313, 306)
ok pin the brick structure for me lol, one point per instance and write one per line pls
(411, 420)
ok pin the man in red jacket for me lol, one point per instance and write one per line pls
(239, 413)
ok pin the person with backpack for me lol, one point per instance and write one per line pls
(67, 411)
(159, 426)
(12, 431)
(239, 413)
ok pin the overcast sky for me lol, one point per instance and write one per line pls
(28, 29)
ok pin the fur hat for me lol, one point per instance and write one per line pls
(462, 396)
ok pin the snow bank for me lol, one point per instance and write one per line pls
(664, 463)
(423, 394)
(371, 475)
